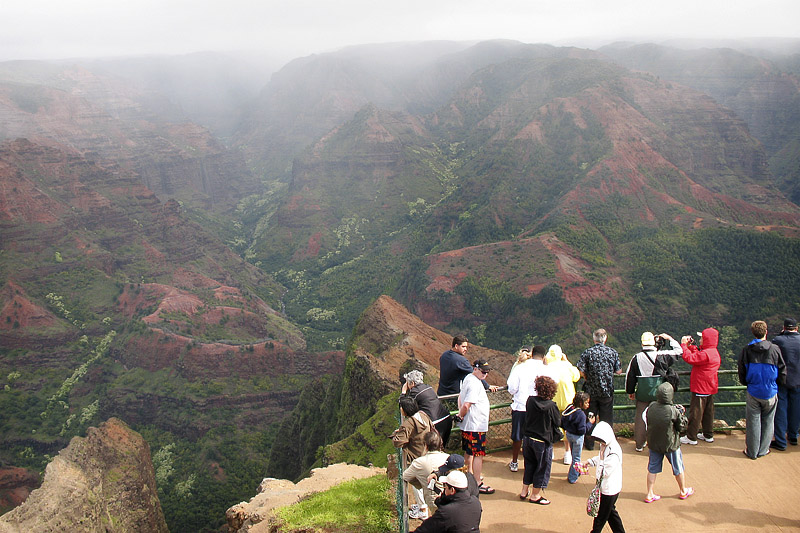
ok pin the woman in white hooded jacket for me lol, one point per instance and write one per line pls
(609, 466)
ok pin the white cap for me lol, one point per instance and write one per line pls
(456, 479)
(648, 339)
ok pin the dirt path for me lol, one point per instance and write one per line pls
(733, 493)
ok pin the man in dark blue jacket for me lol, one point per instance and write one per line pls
(454, 367)
(761, 369)
(787, 414)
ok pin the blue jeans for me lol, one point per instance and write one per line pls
(576, 445)
(787, 415)
(760, 416)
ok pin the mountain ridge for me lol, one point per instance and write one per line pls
(577, 147)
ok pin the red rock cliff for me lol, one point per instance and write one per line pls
(103, 482)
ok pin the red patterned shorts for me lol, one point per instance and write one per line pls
(473, 442)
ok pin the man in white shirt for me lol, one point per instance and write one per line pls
(520, 386)
(473, 419)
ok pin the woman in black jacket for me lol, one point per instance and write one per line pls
(542, 419)
(428, 402)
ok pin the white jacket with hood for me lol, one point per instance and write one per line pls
(609, 462)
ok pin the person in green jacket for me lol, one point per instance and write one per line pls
(664, 422)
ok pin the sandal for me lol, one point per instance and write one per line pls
(541, 501)
(688, 493)
(655, 498)
(485, 489)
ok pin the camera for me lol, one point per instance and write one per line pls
(434, 486)
(660, 342)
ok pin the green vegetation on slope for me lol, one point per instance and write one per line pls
(369, 442)
(199, 479)
(506, 316)
(725, 276)
(358, 506)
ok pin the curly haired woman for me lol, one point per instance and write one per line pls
(542, 419)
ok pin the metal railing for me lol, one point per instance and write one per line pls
(722, 388)
(402, 491)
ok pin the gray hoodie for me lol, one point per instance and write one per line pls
(664, 421)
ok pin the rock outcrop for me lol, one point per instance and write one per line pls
(395, 341)
(102, 482)
(387, 342)
(253, 516)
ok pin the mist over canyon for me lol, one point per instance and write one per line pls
(223, 252)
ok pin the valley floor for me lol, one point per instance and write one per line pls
(733, 493)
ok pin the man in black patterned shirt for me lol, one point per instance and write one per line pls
(598, 365)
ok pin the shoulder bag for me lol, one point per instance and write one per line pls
(646, 386)
(593, 502)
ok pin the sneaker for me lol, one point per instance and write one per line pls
(513, 466)
(774, 445)
(700, 436)
(567, 458)
(687, 440)
(640, 449)
(418, 513)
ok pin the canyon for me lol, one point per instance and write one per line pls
(244, 283)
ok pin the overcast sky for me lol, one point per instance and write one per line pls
(48, 29)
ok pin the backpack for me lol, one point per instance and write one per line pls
(646, 386)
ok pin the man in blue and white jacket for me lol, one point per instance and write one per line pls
(761, 368)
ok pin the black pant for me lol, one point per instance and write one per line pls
(444, 428)
(603, 408)
(608, 513)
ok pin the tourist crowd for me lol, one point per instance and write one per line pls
(546, 410)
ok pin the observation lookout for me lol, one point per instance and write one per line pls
(732, 492)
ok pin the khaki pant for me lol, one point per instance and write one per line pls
(701, 414)
(639, 431)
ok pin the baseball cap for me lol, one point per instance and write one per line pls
(789, 323)
(453, 462)
(456, 479)
(482, 364)
(648, 339)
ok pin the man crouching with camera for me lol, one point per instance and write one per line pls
(457, 509)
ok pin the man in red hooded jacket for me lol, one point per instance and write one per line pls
(703, 384)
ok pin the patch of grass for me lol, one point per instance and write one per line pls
(362, 506)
